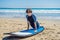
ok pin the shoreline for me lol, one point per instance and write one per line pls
(25, 18)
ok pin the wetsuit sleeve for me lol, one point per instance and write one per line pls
(26, 17)
(34, 17)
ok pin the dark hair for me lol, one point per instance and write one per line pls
(28, 11)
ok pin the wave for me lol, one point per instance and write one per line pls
(22, 11)
(46, 11)
(34, 11)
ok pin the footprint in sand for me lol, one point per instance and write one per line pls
(54, 24)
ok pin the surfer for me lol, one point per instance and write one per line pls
(31, 20)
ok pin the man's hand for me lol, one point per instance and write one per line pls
(35, 30)
(27, 28)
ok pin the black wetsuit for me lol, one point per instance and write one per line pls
(32, 19)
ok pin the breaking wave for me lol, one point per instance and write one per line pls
(34, 11)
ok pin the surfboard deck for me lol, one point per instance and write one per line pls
(26, 33)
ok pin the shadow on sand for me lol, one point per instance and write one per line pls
(13, 38)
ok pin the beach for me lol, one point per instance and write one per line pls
(51, 32)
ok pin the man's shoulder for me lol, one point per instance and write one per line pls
(33, 15)
(26, 16)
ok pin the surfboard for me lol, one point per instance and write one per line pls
(27, 33)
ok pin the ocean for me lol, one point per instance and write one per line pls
(41, 13)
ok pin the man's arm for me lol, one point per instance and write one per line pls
(35, 25)
(28, 24)
(34, 17)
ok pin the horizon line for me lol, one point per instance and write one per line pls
(17, 8)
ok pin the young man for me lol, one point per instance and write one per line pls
(31, 20)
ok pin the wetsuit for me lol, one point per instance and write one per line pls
(32, 20)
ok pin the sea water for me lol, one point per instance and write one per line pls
(41, 13)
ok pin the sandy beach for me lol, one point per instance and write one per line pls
(51, 32)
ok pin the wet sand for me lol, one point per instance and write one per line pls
(51, 32)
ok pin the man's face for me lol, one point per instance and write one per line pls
(29, 14)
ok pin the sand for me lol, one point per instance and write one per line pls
(51, 32)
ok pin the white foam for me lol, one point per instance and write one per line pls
(34, 11)
(13, 11)
(46, 11)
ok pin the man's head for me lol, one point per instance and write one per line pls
(29, 12)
